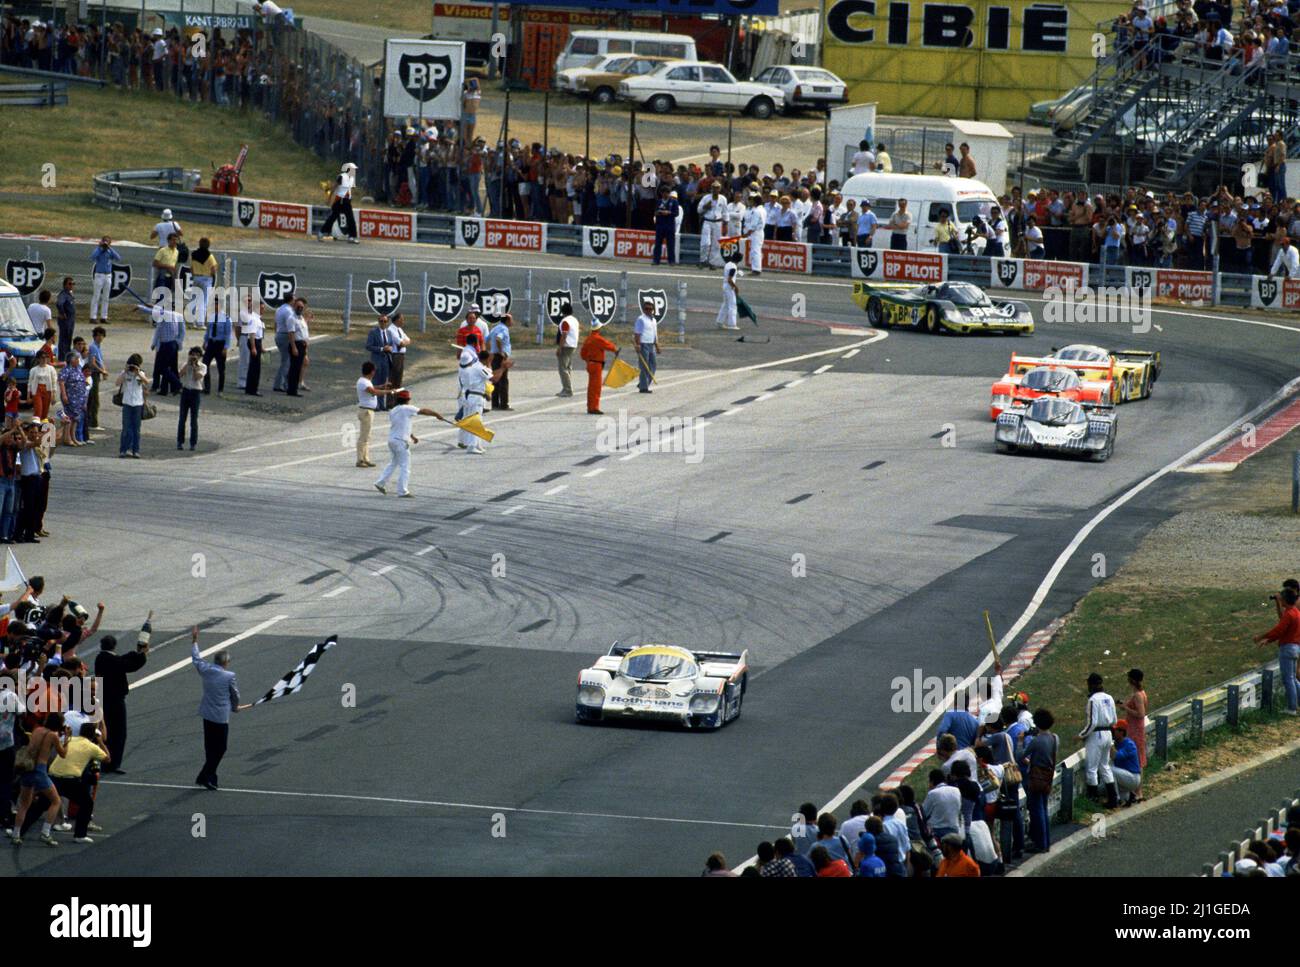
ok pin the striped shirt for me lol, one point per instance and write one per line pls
(1196, 224)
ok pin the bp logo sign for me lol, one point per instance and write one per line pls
(424, 76)
(556, 300)
(384, 295)
(1141, 279)
(445, 303)
(1008, 272)
(246, 212)
(585, 285)
(25, 275)
(471, 229)
(276, 288)
(495, 303)
(469, 281)
(867, 260)
(656, 299)
(604, 302)
(1268, 291)
(599, 239)
(121, 280)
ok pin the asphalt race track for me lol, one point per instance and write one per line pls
(465, 615)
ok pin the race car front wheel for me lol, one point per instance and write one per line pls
(1102, 455)
(932, 320)
(875, 312)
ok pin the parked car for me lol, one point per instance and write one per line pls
(585, 44)
(700, 86)
(805, 86)
(602, 85)
(567, 79)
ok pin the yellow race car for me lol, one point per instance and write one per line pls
(1134, 371)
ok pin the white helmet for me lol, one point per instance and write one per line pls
(167, 214)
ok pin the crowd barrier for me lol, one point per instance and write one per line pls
(151, 190)
(1270, 824)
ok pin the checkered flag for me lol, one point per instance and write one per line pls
(292, 681)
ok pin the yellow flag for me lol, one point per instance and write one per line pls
(620, 374)
(474, 424)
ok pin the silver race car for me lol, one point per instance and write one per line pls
(1054, 425)
(700, 690)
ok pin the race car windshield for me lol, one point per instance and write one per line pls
(1082, 354)
(659, 667)
(1050, 380)
(963, 294)
(14, 321)
(1054, 412)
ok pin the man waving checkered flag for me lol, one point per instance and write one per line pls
(293, 680)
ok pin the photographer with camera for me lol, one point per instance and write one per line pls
(132, 389)
(1286, 635)
(192, 376)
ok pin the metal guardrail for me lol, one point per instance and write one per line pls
(1274, 821)
(154, 189)
(50, 94)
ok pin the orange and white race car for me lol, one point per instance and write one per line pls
(1031, 377)
(1131, 373)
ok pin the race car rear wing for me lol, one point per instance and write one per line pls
(1023, 364)
(617, 650)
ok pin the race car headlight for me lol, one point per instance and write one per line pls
(1001, 400)
(589, 694)
(705, 701)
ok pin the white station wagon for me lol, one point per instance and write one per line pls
(703, 87)
(810, 87)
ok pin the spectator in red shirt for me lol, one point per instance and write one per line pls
(1286, 634)
(825, 866)
(955, 862)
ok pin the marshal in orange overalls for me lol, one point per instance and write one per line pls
(593, 352)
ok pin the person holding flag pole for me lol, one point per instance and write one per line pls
(220, 699)
(645, 339)
(593, 352)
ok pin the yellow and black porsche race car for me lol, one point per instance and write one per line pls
(956, 307)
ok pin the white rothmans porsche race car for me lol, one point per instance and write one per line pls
(700, 690)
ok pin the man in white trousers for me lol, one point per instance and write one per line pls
(101, 265)
(400, 439)
(753, 225)
(473, 396)
(727, 313)
(713, 215)
(1098, 740)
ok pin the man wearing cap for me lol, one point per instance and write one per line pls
(400, 439)
(475, 380)
(645, 339)
(1128, 769)
(1098, 740)
(593, 352)
(341, 205)
(168, 226)
(566, 344)
(867, 224)
(666, 215)
(380, 344)
(498, 346)
(1287, 260)
(713, 214)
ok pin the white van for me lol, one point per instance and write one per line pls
(926, 195)
(584, 45)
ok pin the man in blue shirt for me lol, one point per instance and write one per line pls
(961, 725)
(95, 354)
(67, 306)
(1128, 767)
(220, 698)
(220, 335)
(867, 223)
(381, 343)
(168, 338)
(498, 344)
(286, 319)
(101, 268)
(666, 225)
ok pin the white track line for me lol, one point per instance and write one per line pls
(342, 797)
(633, 455)
(822, 369)
(851, 353)
(555, 490)
(594, 473)
(337, 591)
(383, 570)
(468, 530)
(226, 643)
(426, 550)
(513, 510)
